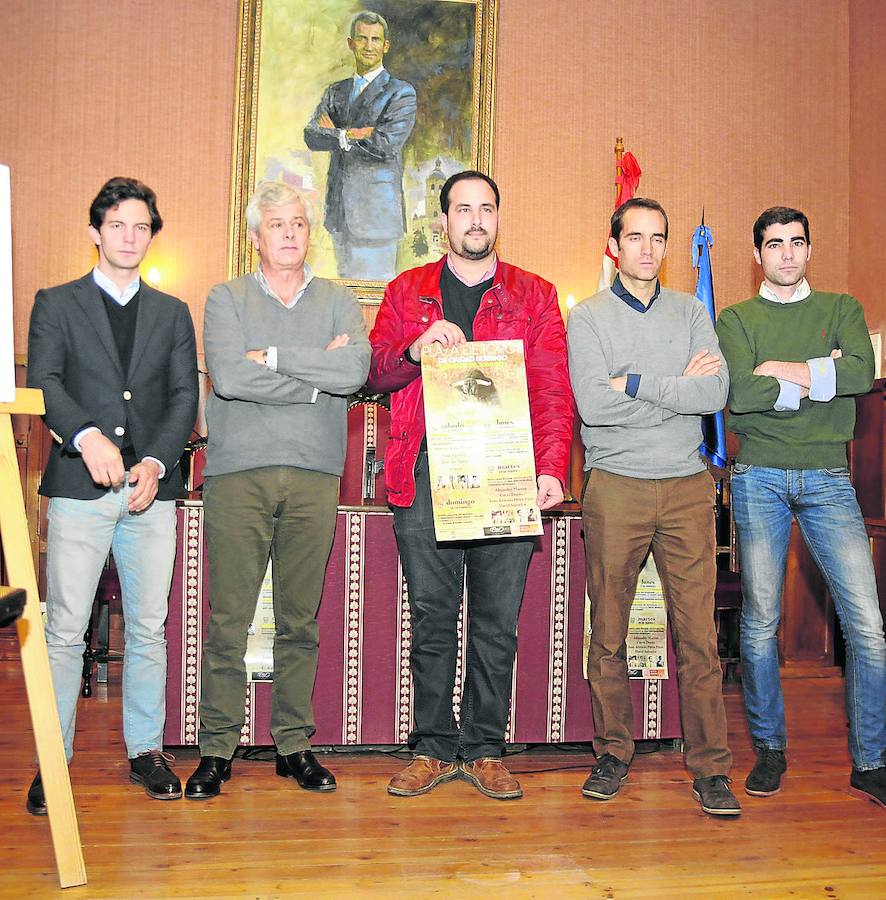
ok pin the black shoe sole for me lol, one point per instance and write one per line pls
(155, 795)
(206, 796)
(284, 772)
(34, 809)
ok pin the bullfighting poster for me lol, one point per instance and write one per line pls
(480, 453)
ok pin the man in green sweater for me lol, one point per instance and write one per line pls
(797, 359)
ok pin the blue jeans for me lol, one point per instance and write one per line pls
(435, 573)
(81, 532)
(823, 501)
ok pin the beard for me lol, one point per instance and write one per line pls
(475, 251)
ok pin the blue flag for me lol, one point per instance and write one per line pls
(712, 427)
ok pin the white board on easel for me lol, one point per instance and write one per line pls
(7, 358)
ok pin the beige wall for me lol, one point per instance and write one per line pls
(95, 89)
(732, 105)
(867, 164)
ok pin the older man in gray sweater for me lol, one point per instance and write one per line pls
(645, 366)
(284, 349)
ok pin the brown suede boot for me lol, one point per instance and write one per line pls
(420, 776)
(492, 779)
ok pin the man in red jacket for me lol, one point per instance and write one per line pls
(468, 295)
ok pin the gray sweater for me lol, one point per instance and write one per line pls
(657, 433)
(261, 417)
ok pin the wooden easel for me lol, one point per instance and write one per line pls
(35, 661)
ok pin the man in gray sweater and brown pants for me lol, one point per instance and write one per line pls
(645, 366)
(284, 349)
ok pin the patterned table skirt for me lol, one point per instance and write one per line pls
(363, 692)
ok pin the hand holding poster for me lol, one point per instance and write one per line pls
(479, 437)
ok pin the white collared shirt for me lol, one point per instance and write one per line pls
(801, 292)
(109, 287)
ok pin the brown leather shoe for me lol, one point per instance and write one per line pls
(492, 778)
(420, 776)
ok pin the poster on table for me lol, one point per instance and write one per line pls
(482, 465)
(647, 643)
(646, 646)
(7, 358)
(259, 656)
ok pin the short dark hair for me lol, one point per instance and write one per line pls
(367, 17)
(114, 192)
(617, 219)
(778, 215)
(467, 175)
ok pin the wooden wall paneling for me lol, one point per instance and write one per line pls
(806, 638)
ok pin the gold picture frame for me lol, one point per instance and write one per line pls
(290, 49)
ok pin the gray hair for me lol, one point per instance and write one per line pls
(369, 18)
(274, 193)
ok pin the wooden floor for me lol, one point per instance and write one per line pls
(266, 838)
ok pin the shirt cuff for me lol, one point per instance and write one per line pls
(633, 384)
(343, 141)
(823, 379)
(75, 440)
(271, 359)
(788, 397)
(162, 474)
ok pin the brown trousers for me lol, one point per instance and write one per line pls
(623, 518)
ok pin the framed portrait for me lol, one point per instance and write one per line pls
(366, 107)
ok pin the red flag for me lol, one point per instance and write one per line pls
(627, 179)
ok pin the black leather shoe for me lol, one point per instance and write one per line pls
(36, 803)
(305, 769)
(208, 778)
(151, 770)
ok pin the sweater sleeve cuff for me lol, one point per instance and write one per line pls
(788, 396)
(823, 379)
(632, 385)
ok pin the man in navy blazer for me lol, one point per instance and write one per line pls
(363, 122)
(117, 364)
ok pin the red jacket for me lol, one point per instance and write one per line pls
(519, 305)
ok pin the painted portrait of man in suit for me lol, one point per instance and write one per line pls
(363, 122)
(366, 108)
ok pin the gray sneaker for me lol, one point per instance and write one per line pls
(869, 784)
(715, 797)
(606, 778)
(765, 778)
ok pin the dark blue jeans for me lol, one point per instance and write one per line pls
(435, 577)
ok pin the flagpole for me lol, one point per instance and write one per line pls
(619, 172)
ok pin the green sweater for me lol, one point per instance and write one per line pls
(757, 330)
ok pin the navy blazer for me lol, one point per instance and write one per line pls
(364, 188)
(73, 359)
